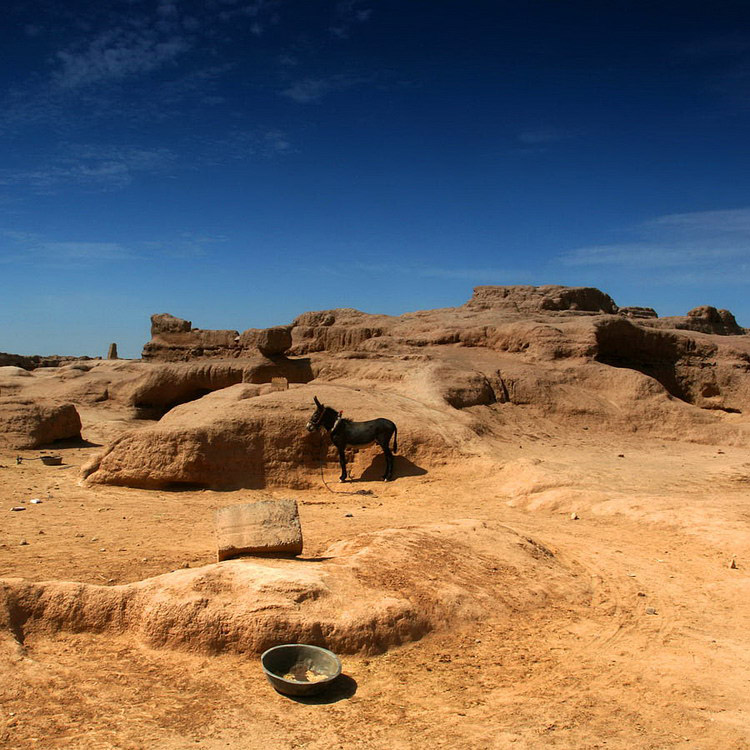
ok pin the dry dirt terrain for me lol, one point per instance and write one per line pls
(564, 569)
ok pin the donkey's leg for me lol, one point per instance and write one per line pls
(388, 463)
(342, 462)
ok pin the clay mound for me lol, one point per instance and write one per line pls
(29, 422)
(164, 386)
(34, 361)
(13, 380)
(363, 596)
(699, 371)
(230, 441)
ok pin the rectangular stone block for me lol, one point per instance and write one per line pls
(280, 384)
(267, 527)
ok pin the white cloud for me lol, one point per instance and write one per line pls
(84, 251)
(721, 222)
(309, 90)
(33, 248)
(90, 166)
(30, 247)
(116, 54)
(697, 247)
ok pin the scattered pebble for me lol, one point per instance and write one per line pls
(574, 516)
(620, 455)
(23, 543)
(640, 593)
(346, 515)
(35, 501)
(650, 611)
(733, 564)
(18, 507)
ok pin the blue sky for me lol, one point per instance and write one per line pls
(239, 162)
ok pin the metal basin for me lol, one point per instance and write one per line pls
(51, 460)
(299, 669)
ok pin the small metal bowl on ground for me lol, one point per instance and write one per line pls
(51, 460)
(299, 669)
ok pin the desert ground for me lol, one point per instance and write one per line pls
(566, 554)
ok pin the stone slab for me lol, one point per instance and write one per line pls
(267, 527)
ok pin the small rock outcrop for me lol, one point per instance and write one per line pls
(551, 298)
(641, 313)
(175, 340)
(163, 324)
(339, 330)
(30, 423)
(702, 319)
(269, 342)
(707, 319)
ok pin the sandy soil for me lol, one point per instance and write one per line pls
(654, 655)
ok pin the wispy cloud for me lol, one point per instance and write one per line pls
(484, 274)
(241, 145)
(721, 64)
(92, 75)
(347, 14)
(542, 136)
(98, 167)
(30, 247)
(307, 90)
(20, 247)
(698, 247)
(116, 54)
(185, 246)
(138, 42)
(727, 222)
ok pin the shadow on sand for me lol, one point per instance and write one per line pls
(340, 689)
(402, 467)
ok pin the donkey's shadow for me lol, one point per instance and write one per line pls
(402, 467)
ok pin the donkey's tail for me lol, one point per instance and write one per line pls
(395, 439)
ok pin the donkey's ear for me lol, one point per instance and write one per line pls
(317, 403)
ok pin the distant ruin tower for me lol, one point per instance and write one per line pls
(112, 353)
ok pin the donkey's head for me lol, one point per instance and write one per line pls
(314, 422)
